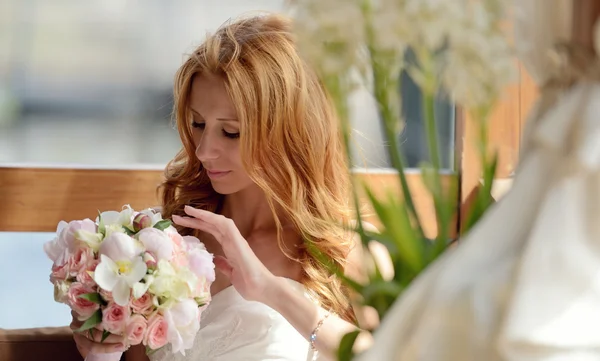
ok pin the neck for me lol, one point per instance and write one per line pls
(249, 210)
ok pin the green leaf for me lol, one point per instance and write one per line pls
(150, 351)
(162, 224)
(91, 322)
(381, 295)
(105, 334)
(101, 226)
(92, 297)
(398, 226)
(331, 266)
(388, 288)
(484, 197)
(345, 352)
(128, 231)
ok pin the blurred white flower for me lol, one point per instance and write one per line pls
(460, 45)
(329, 33)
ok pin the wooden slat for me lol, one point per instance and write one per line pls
(36, 199)
(384, 184)
(529, 95)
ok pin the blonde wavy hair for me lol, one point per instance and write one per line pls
(291, 144)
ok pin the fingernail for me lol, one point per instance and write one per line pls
(119, 347)
(175, 216)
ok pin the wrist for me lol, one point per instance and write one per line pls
(274, 292)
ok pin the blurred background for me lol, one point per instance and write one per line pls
(90, 83)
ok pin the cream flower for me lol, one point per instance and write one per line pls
(120, 268)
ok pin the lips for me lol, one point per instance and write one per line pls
(214, 174)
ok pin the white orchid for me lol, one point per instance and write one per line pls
(121, 266)
(113, 219)
(182, 318)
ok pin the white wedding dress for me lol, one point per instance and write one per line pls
(234, 329)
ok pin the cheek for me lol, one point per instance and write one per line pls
(196, 137)
(234, 156)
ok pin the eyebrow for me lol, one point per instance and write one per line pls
(221, 119)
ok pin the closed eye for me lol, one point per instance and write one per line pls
(195, 124)
(231, 135)
(201, 126)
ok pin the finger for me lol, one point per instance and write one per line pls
(223, 265)
(235, 247)
(96, 336)
(95, 347)
(191, 222)
(226, 233)
(75, 324)
(202, 214)
(218, 222)
(222, 228)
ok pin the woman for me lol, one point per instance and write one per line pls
(262, 169)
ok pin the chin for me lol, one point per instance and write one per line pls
(224, 189)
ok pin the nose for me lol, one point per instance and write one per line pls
(208, 148)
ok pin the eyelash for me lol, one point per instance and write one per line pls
(227, 134)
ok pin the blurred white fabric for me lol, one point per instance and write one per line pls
(524, 285)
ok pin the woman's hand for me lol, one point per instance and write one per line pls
(89, 341)
(245, 271)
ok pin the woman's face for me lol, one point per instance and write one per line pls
(216, 132)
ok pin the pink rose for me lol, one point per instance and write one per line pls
(84, 275)
(156, 333)
(59, 273)
(80, 260)
(142, 305)
(81, 306)
(115, 317)
(64, 245)
(106, 295)
(135, 329)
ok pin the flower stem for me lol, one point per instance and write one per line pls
(385, 84)
(440, 203)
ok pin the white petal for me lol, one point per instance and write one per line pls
(119, 247)
(53, 250)
(137, 272)
(61, 226)
(109, 217)
(139, 289)
(93, 240)
(105, 275)
(121, 293)
(125, 216)
(173, 336)
(157, 242)
(184, 312)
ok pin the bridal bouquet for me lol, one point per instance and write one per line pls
(132, 274)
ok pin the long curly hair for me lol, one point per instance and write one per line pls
(291, 145)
